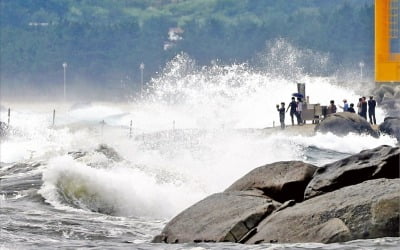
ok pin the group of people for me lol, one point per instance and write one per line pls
(296, 108)
(363, 106)
(295, 111)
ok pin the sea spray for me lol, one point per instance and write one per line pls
(227, 96)
(195, 131)
(118, 190)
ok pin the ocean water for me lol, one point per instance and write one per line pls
(90, 181)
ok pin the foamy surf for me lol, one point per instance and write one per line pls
(115, 190)
(194, 132)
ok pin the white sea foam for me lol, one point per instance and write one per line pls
(191, 137)
(121, 190)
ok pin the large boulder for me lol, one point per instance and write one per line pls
(344, 123)
(366, 210)
(388, 98)
(342, 203)
(380, 162)
(229, 216)
(382, 92)
(391, 126)
(281, 181)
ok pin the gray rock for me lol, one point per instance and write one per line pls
(388, 98)
(396, 94)
(344, 123)
(228, 216)
(388, 102)
(363, 211)
(383, 90)
(281, 181)
(334, 230)
(380, 162)
(391, 126)
(77, 154)
(106, 150)
(109, 152)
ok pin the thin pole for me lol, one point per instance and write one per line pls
(65, 80)
(54, 116)
(141, 76)
(9, 113)
(141, 79)
(65, 87)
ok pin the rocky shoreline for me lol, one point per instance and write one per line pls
(388, 97)
(287, 202)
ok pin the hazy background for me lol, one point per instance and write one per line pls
(104, 41)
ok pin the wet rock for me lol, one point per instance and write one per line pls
(106, 150)
(344, 123)
(363, 211)
(388, 98)
(281, 181)
(228, 216)
(383, 91)
(354, 198)
(391, 126)
(396, 94)
(380, 162)
(77, 154)
(109, 152)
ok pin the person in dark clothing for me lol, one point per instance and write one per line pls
(281, 111)
(299, 110)
(364, 107)
(293, 107)
(371, 110)
(359, 106)
(332, 107)
(351, 108)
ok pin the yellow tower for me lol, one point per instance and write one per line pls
(387, 41)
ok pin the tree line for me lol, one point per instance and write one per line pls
(105, 41)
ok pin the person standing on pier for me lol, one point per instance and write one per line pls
(299, 110)
(364, 107)
(371, 110)
(332, 107)
(359, 106)
(293, 107)
(281, 111)
(345, 106)
(351, 108)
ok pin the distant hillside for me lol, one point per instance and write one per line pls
(104, 41)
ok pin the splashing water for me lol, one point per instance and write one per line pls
(195, 131)
(198, 125)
